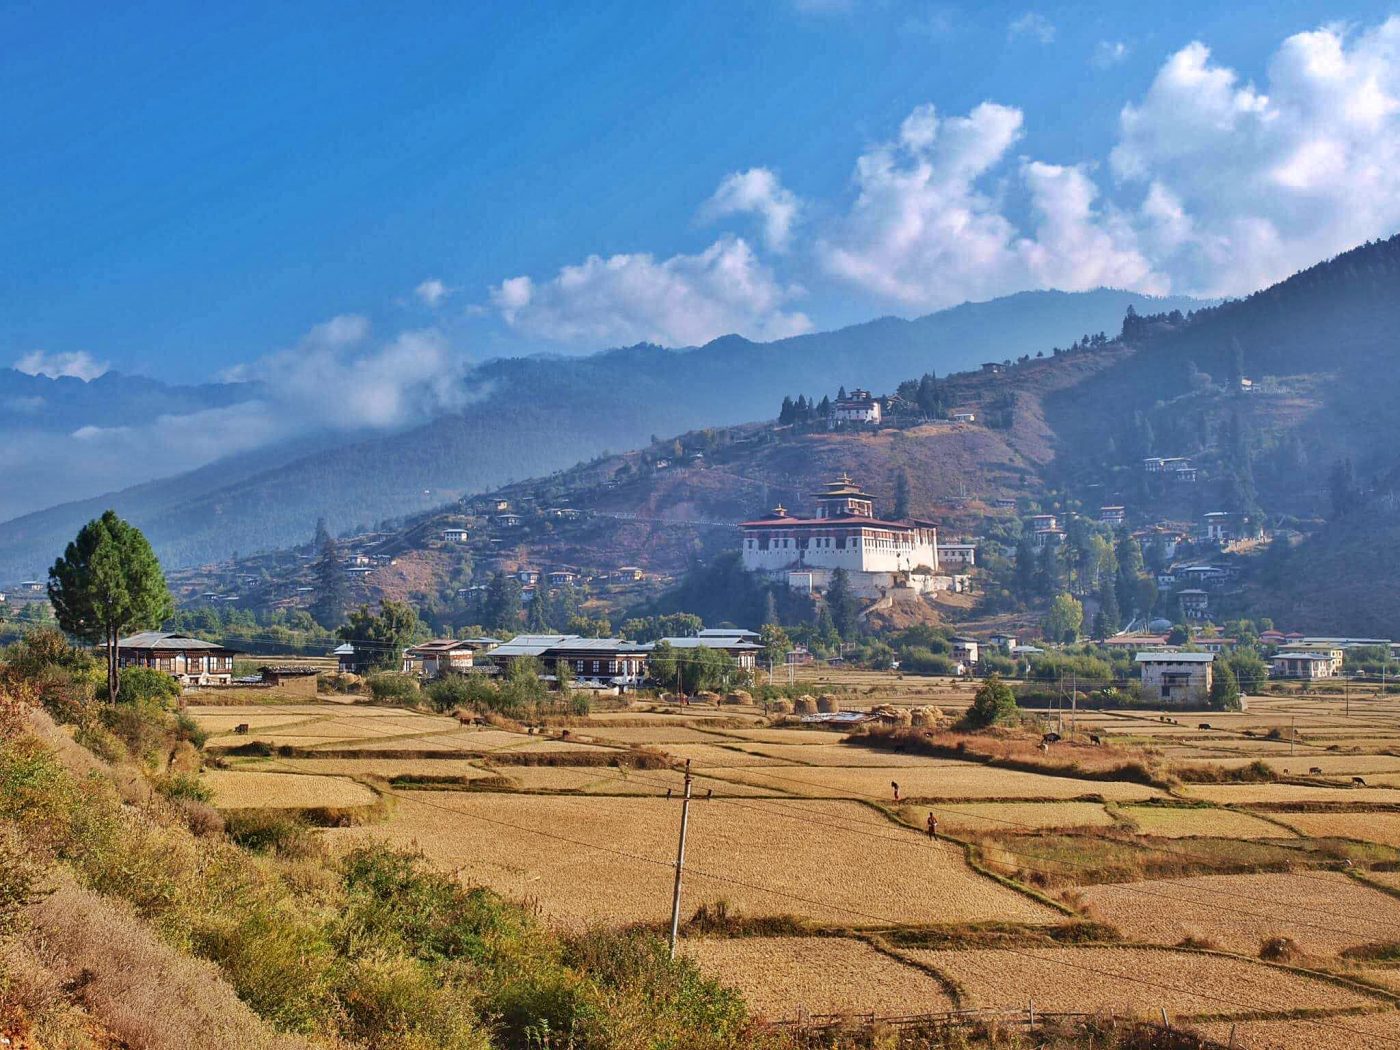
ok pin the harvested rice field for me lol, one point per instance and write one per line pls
(726, 756)
(1190, 821)
(1324, 912)
(385, 768)
(954, 817)
(846, 755)
(1135, 979)
(661, 734)
(954, 780)
(1247, 794)
(605, 859)
(607, 780)
(786, 977)
(236, 789)
(1383, 828)
(476, 741)
(1371, 1031)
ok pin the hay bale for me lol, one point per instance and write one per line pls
(739, 696)
(804, 705)
(707, 697)
(828, 704)
(927, 715)
(781, 707)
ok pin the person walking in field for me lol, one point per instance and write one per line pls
(932, 826)
(895, 784)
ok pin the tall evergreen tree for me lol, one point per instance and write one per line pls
(537, 621)
(502, 610)
(842, 602)
(329, 607)
(901, 494)
(107, 583)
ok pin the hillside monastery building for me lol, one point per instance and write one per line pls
(844, 534)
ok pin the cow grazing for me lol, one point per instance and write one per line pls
(1358, 782)
(1094, 739)
(1050, 738)
(241, 729)
(1204, 725)
(1315, 770)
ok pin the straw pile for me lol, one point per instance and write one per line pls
(739, 696)
(828, 704)
(926, 716)
(781, 707)
(805, 705)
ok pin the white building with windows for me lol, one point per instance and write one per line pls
(845, 534)
(1176, 678)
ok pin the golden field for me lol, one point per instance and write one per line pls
(788, 977)
(1368, 827)
(608, 859)
(239, 789)
(1324, 912)
(1142, 980)
(1187, 821)
(1008, 816)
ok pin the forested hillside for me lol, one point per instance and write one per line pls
(537, 415)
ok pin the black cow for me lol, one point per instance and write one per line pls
(241, 729)
(1358, 782)
(1050, 738)
(1093, 739)
(1315, 770)
(1204, 725)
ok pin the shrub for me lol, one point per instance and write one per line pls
(184, 786)
(387, 687)
(922, 660)
(271, 831)
(994, 704)
(147, 685)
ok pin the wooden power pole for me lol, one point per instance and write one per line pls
(680, 863)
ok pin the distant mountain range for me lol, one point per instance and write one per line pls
(531, 416)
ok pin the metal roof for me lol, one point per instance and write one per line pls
(727, 641)
(726, 632)
(1175, 658)
(167, 640)
(530, 644)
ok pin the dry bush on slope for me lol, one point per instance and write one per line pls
(146, 994)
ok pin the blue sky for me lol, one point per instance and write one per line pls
(190, 188)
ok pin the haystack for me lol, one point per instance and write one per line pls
(738, 696)
(805, 705)
(828, 704)
(707, 697)
(781, 707)
(926, 716)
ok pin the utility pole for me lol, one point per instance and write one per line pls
(1074, 702)
(680, 863)
(1292, 733)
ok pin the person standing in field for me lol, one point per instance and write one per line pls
(932, 826)
(895, 784)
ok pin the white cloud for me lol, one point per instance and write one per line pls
(1034, 25)
(681, 301)
(759, 192)
(432, 292)
(1240, 185)
(79, 365)
(928, 228)
(1110, 53)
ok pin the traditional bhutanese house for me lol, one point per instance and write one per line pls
(1175, 678)
(602, 661)
(455, 535)
(529, 577)
(1135, 642)
(728, 632)
(1112, 515)
(964, 649)
(1195, 604)
(1301, 665)
(561, 577)
(963, 417)
(1334, 654)
(1004, 503)
(191, 661)
(1216, 645)
(347, 660)
(741, 650)
(798, 656)
(845, 534)
(1003, 641)
(963, 554)
(444, 655)
(859, 407)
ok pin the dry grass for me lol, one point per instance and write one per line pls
(604, 780)
(783, 977)
(1324, 912)
(601, 860)
(839, 755)
(954, 817)
(956, 780)
(1140, 980)
(140, 991)
(658, 734)
(248, 789)
(1349, 1032)
(1383, 828)
(371, 767)
(1183, 822)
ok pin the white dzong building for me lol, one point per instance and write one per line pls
(845, 534)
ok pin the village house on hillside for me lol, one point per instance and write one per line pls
(845, 534)
(1176, 678)
(190, 661)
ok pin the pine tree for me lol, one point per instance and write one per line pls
(788, 413)
(842, 603)
(107, 583)
(537, 622)
(329, 607)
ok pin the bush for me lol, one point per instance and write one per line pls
(271, 831)
(147, 685)
(387, 687)
(452, 691)
(184, 786)
(922, 660)
(994, 704)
